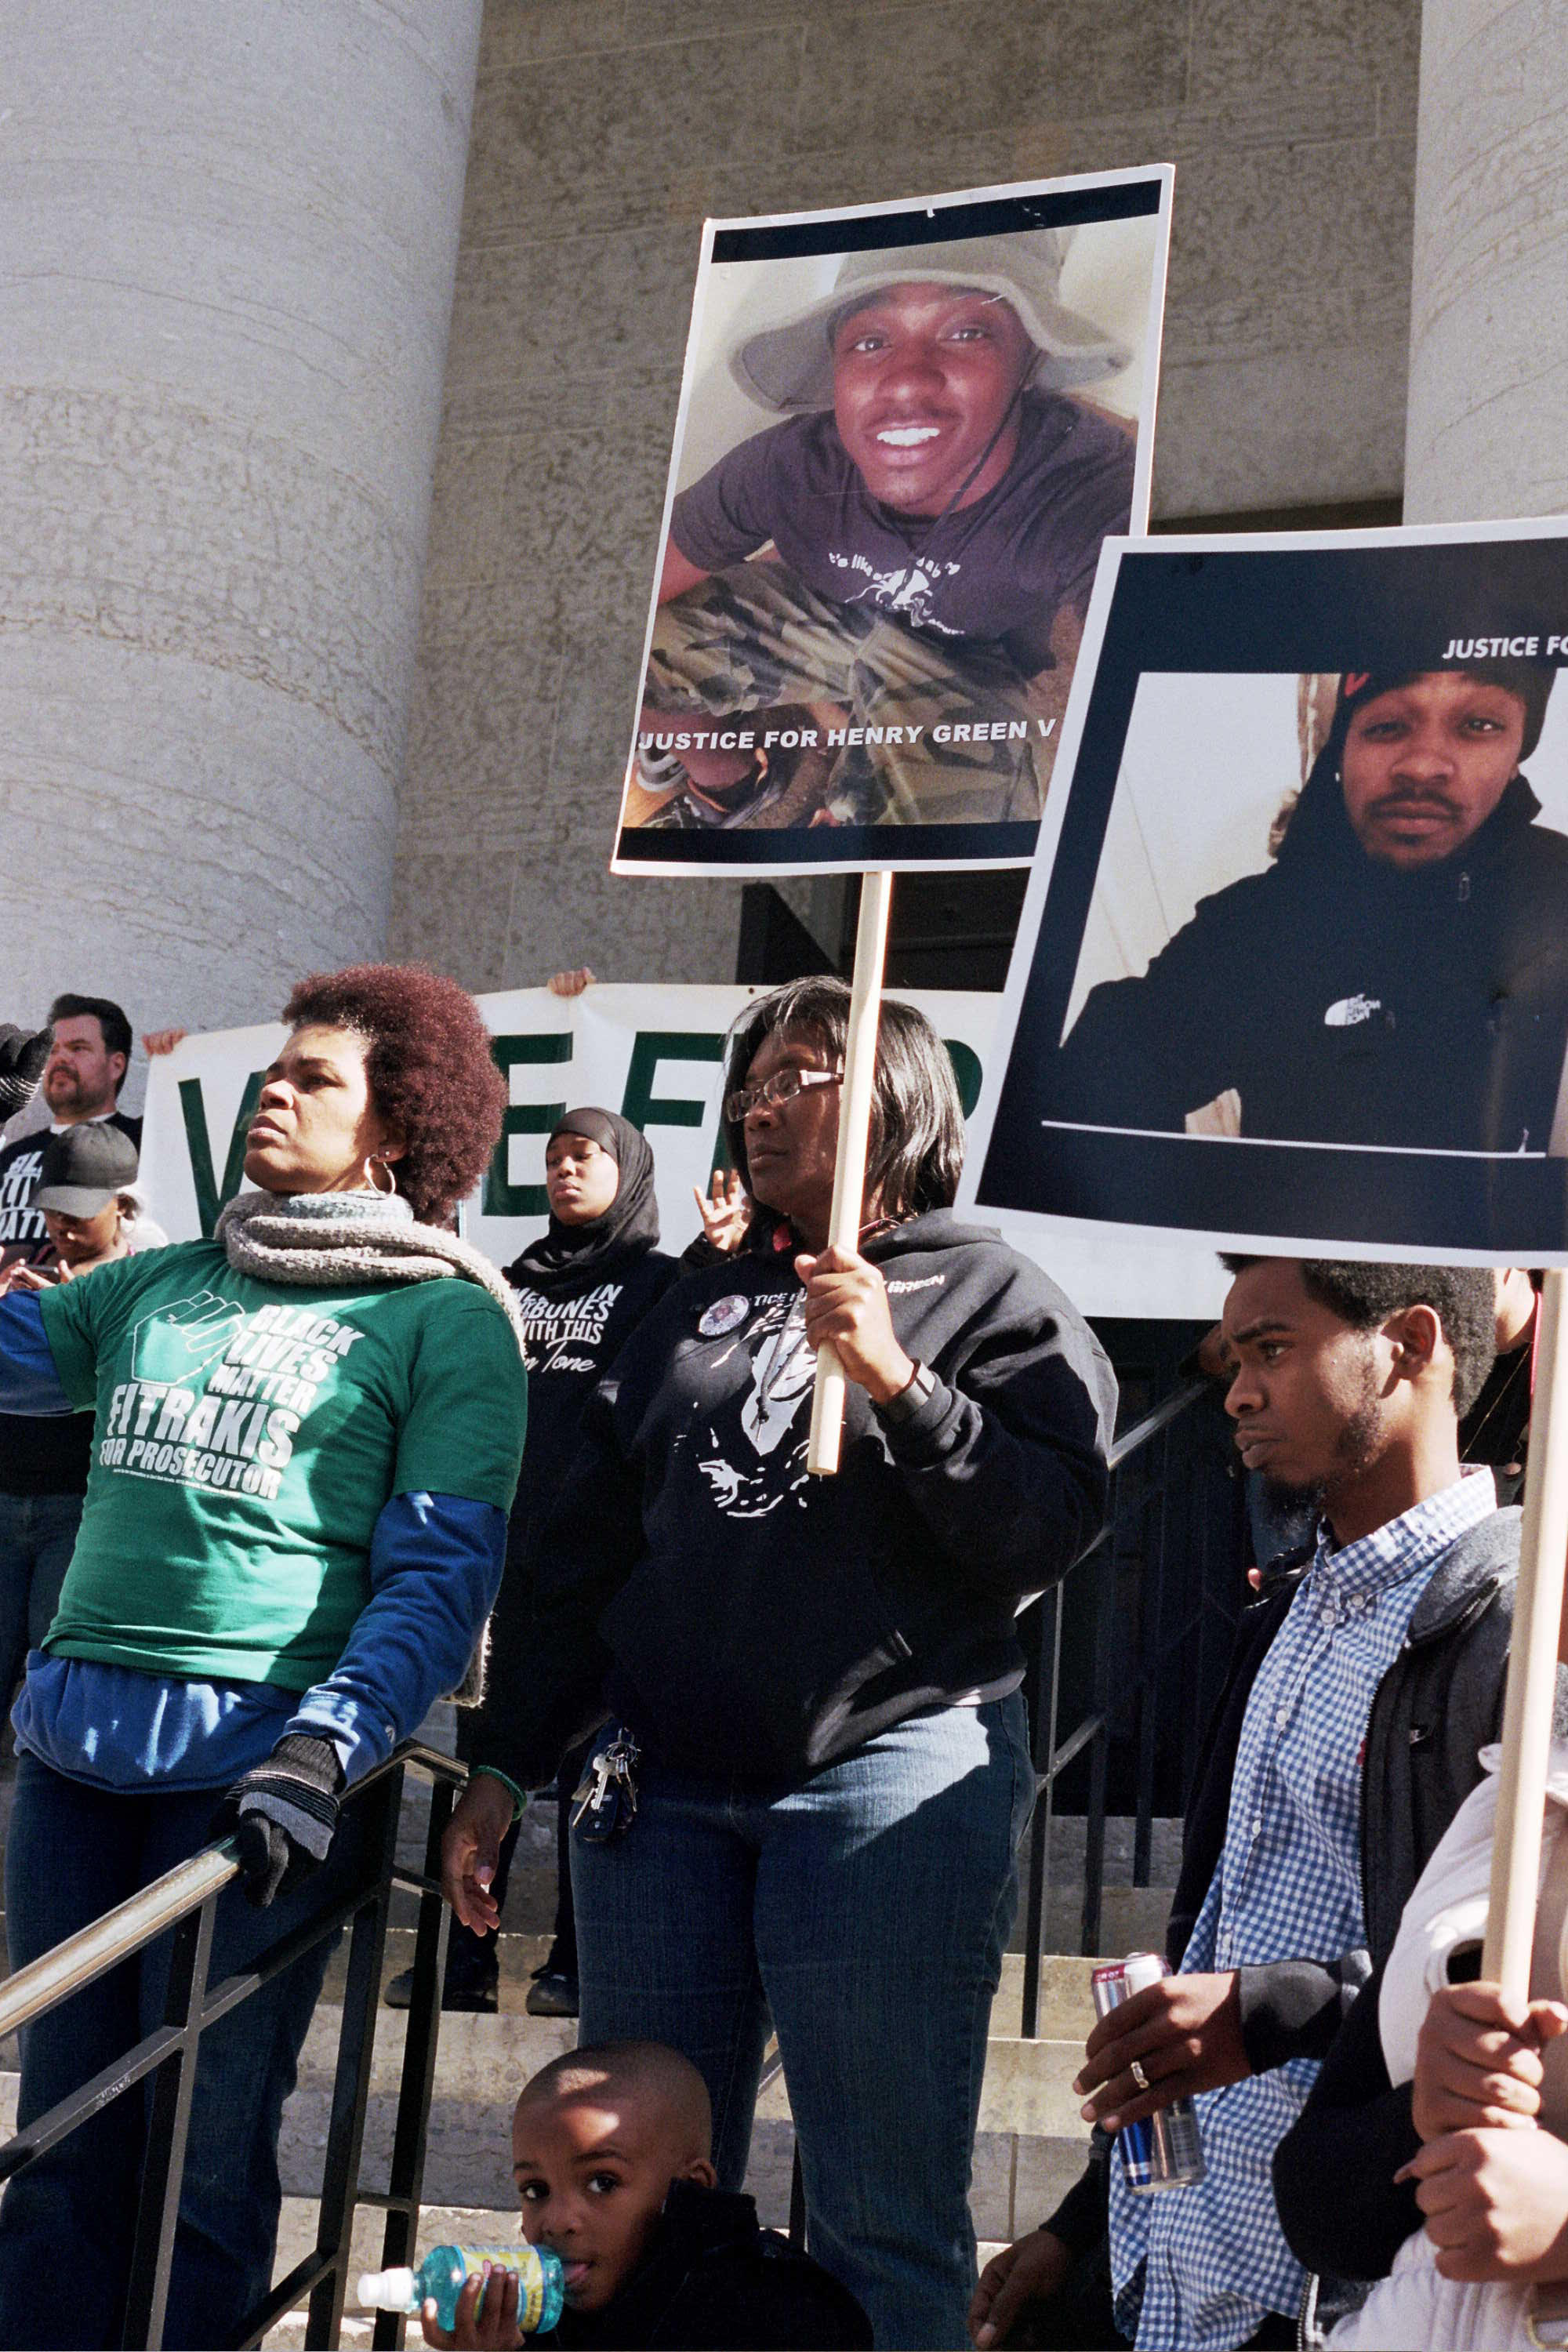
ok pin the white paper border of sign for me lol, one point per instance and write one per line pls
(1163, 175)
(1045, 1228)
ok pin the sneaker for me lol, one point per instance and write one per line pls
(659, 772)
(708, 808)
(552, 1994)
(478, 1994)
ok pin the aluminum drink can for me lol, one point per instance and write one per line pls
(1163, 2150)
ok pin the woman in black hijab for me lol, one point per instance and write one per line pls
(583, 1286)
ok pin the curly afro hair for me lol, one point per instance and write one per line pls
(430, 1069)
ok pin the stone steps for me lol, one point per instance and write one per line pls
(1028, 2149)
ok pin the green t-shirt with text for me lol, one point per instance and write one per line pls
(245, 1438)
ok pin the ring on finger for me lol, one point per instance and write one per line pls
(1139, 2076)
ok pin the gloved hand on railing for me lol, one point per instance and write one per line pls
(283, 1814)
(22, 1059)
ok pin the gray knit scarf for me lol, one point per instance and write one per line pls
(369, 1237)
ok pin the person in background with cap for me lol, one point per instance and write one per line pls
(933, 501)
(92, 1213)
(1399, 976)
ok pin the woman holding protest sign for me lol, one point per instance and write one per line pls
(308, 1434)
(819, 1771)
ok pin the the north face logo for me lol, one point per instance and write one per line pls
(1350, 1010)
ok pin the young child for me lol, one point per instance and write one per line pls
(611, 2154)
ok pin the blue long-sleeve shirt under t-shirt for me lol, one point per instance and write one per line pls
(435, 1568)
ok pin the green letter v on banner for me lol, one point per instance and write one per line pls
(210, 1200)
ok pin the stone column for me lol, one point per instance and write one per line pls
(1486, 432)
(230, 237)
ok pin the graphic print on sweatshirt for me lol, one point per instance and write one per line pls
(751, 1449)
(552, 1328)
(22, 1226)
(218, 1396)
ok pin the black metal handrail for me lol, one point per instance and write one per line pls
(1151, 1642)
(184, 1899)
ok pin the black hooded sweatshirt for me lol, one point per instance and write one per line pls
(711, 2280)
(1347, 1000)
(744, 1617)
(581, 1290)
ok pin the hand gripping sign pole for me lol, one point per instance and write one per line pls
(849, 1168)
(1532, 1660)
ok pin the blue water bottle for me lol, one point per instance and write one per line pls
(542, 2283)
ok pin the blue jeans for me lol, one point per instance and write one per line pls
(867, 1911)
(37, 1535)
(67, 2222)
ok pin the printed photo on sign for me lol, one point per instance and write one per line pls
(904, 434)
(1293, 966)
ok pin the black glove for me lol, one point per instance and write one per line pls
(283, 1814)
(22, 1059)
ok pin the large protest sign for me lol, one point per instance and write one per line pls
(1293, 966)
(653, 1054)
(904, 432)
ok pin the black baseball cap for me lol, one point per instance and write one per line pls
(84, 1167)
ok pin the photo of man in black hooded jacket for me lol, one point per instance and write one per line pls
(1397, 977)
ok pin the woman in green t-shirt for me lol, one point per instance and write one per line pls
(306, 1439)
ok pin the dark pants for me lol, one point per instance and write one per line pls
(67, 2222)
(867, 1911)
(38, 1536)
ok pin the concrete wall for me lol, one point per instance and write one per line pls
(605, 129)
(1489, 350)
(229, 237)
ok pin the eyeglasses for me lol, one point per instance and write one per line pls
(782, 1088)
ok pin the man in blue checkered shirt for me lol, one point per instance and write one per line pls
(1349, 1382)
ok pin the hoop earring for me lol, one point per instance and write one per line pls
(391, 1185)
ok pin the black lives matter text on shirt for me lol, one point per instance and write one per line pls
(994, 573)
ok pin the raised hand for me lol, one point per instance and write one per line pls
(180, 1341)
(725, 1210)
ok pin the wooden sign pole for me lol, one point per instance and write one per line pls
(849, 1168)
(1532, 1660)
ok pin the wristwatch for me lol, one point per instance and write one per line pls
(918, 1390)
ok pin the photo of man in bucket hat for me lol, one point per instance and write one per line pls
(889, 561)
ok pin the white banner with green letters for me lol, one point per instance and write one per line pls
(655, 1055)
